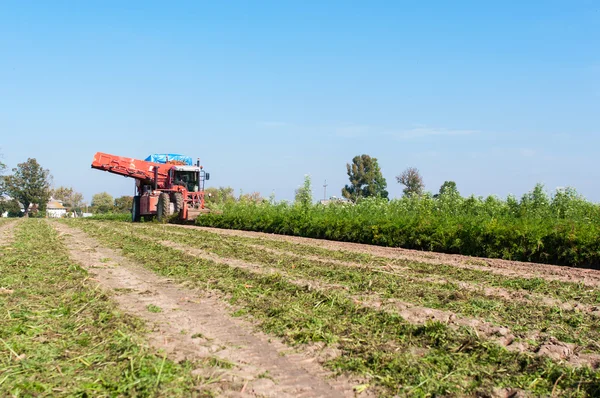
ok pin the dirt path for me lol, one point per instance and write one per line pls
(7, 233)
(196, 327)
(588, 277)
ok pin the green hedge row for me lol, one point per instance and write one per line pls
(493, 228)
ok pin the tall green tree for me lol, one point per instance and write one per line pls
(123, 204)
(102, 203)
(29, 184)
(412, 181)
(448, 188)
(11, 207)
(366, 179)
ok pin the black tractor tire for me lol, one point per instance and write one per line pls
(135, 209)
(177, 199)
(163, 209)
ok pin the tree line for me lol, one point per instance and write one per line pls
(367, 181)
(31, 184)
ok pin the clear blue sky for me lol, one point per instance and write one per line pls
(496, 96)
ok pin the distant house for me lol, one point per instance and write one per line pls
(55, 209)
(6, 199)
(335, 200)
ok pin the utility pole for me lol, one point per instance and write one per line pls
(325, 190)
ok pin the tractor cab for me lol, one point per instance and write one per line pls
(190, 177)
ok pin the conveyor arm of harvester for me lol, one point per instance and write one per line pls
(155, 173)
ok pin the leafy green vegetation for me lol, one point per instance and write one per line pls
(398, 357)
(523, 317)
(564, 291)
(563, 229)
(61, 336)
(111, 216)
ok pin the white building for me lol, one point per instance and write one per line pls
(55, 209)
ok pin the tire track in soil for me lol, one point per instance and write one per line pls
(7, 236)
(588, 277)
(7, 232)
(230, 339)
(415, 314)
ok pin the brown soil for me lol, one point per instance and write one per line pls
(196, 325)
(588, 277)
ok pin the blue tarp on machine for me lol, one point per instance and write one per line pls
(163, 157)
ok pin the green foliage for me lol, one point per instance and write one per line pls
(563, 229)
(29, 184)
(449, 188)
(123, 204)
(111, 217)
(253, 197)
(304, 194)
(102, 203)
(62, 336)
(216, 198)
(11, 207)
(395, 357)
(366, 179)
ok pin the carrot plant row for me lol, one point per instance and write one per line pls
(563, 229)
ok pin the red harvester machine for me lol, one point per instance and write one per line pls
(162, 189)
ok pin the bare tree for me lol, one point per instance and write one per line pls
(412, 180)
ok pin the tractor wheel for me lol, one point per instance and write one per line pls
(135, 209)
(163, 210)
(177, 200)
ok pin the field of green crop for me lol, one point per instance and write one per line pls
(60, 336)
(563, 229)
(405, 327)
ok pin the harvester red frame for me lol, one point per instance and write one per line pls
(162, 189)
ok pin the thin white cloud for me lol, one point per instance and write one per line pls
(421, 132)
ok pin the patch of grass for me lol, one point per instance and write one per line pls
(216, 362)
(558, 289)
(375, 344)
(153, 308)
(522, 317)
(111, 217)
(61, 336)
